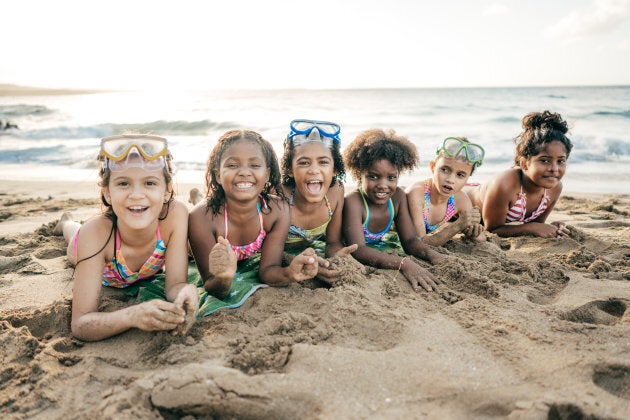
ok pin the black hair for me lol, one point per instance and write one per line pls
(539, 129)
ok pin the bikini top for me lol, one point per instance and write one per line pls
(517, 212)
(245, 251)
(371, 237)
(450, 208)
(298, 234)
(117, 274)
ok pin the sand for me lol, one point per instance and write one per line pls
(521, 328)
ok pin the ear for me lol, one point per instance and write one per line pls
(106, 194)
(523, 163)
(268, 174)
(217, 176)
(432, 166)
(290, 172)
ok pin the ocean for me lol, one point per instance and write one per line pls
(58, 135)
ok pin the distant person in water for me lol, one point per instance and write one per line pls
(518, 201)
(5, 125)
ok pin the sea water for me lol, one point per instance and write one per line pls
(58, 135)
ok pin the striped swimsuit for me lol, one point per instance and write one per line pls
(450, 208)
(517, 212)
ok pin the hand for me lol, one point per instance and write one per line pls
(469, 217)
(188, 300)
(156, 315)
(562, 231)
(222, 263)
(473, 231)
(546, 230)
(304, 266)
(330, 276)
(416, 275)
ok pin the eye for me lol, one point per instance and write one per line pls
(324, 162)
(392, 177)
(372, 177)
(462, 174)
(302, 163)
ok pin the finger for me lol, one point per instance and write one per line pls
(222, 240)
(425, 285)
(322, 262)
(345, 251)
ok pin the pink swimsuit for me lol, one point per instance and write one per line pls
(245, 251)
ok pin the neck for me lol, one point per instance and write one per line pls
(436, 196)
(241, 210)
(136, 237)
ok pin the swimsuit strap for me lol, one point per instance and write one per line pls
(246, 251)
(330, 211)
(450, 208)
(371, 237)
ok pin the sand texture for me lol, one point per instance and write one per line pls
(522, 328)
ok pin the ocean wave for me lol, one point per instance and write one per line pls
(624, 114)
(160, 127)
(19, 110)
(506, 119)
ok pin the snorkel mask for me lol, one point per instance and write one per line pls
(304, 131)
(143, 151)
(458, 147)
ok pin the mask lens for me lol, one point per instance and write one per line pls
(150, 147)
(475, 153)
(135, 160)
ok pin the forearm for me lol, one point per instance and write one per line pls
(276, 275)
(374, 258)
(506, 231)
(442, 234)
(332, 248)
(95, 326)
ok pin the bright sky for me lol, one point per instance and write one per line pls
(136, 44)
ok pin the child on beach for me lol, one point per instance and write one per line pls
(527, 193)
(434, 202)
(312, 174)
(141, 229)
(375, 160)
(240, 217)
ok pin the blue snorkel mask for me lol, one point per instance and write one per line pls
(303, 131)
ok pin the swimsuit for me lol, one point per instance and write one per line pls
(517, 212)
(117, 274)
(245, 251)
(450, 208)
(298, 234)
(371, 237)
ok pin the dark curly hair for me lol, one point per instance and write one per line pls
(287, 159)
(539, 129)
(215, 194)
(375, 144)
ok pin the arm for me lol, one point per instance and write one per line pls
(178, 290)
(410, 242)
(89, 324)
(333, 231)
(270, 270)
(353, 234)
(202, 237)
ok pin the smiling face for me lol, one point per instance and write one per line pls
(547, 168)
(243, 171)
(312, 168)
(449, 174)
(137, 196)
(380, 180)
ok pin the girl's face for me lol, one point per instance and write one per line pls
(547, 168)
(380, 181)
(243, 170)
(313, 169)
(449, 174)
(137, 196)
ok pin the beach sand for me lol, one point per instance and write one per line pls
(521, 328)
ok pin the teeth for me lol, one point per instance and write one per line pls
(136, 208)
(314, 182)
(244, 185)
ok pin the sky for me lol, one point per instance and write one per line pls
(274, 44)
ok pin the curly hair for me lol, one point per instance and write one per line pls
(289, 153)
(215, 194)
(376, 144)
(539, 129)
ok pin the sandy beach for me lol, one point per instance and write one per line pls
(521, 328)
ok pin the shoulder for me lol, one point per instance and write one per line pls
(416, 189)
(336, 194)
(462, 201)
(506, 180)
(97, 226)
(176, 217)
(275, 205)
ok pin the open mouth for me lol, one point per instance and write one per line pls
(137, 209)
(244, 185)
(314, 187)
(447, 189)
(381, 195)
